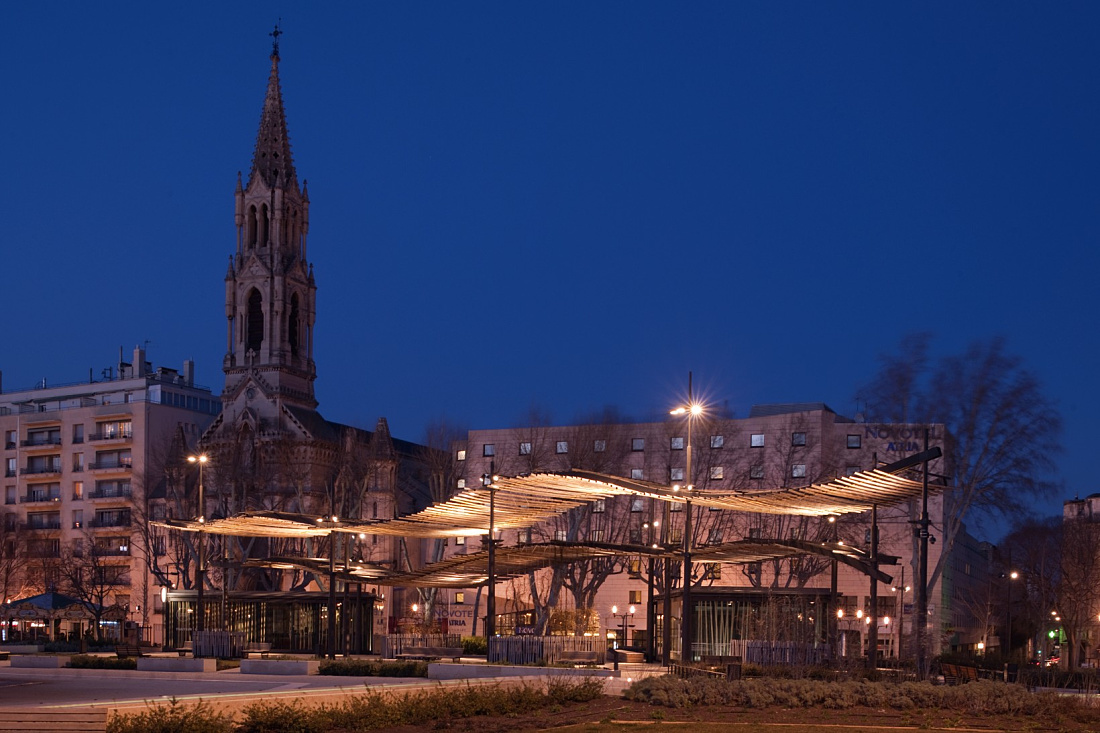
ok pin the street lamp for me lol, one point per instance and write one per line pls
(487, 480)
(200, 573)
(1008, 613)
(692, 410)
(627, 614)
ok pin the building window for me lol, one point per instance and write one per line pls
(756, 471)
(855, 441)
(9, 495)
(635, 535)
(9, 440)
(460, 540)
(676, 444)
(717, 441)
(489, 449)
(460, 456)
(525, 449)
(676, 474)
(599, 446)
(635, 595)
(523, 536)
(675, 535)
(756, 440)
(850, 470)
(798, 470)
(798, 439)
(596, 535)
(78, 433)
(460, 598)
(675, 506)
(712, 571)
(634, 568)
(754, 533)
(716, 472)
(78, 490)
(9, 470)
(461, 483)
(637, 473)
(637, 504)
(559, 535)
(78, 461)
(714, 537)
(637, 444)
(562, 446)
(599, 506)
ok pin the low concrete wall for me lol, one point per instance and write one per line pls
(279, 666)
(23, 648)
(444, 671)
(176, 664)
(42, 662)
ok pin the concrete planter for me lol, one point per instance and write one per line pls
(38, 662)
(444, 671)
(23, 648)
(176, 664)
(279, 666)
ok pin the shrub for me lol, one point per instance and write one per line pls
(475, 645)
(173, 717)
(87, 661)
(369, 668)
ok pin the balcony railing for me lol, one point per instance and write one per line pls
(113, 435)
(110, 551)
(53, 524)
(34, 470)
(99, 522)
(37, 498)
(40, 442)
(109, 493)
(110, 466)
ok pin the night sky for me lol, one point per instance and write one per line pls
(564, 206)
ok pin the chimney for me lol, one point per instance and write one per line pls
(189, 372)
(139, 362)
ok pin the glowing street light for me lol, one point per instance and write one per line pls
(201, 460)
(692, 410)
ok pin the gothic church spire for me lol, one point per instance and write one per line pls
(272, 162)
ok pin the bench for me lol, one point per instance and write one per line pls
(185, 649)
(47, 719)
(431, 652)
(5, 655)
(579, 656)
(261, 648)
(128, 650)
(685, 671)
(955, 674)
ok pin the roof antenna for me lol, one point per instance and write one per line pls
(275, 43)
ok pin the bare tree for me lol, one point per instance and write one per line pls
(1036, 551)
(13, 559)
(90, 571)
(1079, 589)
(1002, 429)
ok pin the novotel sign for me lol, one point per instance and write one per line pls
(900, 438)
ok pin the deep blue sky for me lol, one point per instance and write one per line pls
(566, 205)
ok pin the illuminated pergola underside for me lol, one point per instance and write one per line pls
(468, 571)
(524, 501)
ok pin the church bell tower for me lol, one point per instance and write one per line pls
(270, 293)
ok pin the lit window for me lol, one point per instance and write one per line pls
(854, 441)
(756, 471)
(489, 450)
(599, 506)
(460, 598)
(599, 446)
(525, 449)
(637, 504)
(756, 440)
(460, 540)
(850, 470)
(563, 446)
(461, 455)
(635, 570)
(462, 483)
(676, 444)
(637, 473)
(712, 571)
(714, 537)
(596, 535)
(523, 536)
(675, 506)
(636, 595)
(798, 470)
(717, 441)
(716, 472)
(676, 474)
(798, 439)
(559, 535)
(637, 444)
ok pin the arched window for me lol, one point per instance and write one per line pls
(263, 225)
(292, 326)
(251, 226)
(254, 328)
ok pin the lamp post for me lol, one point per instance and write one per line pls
(200, 572)
(693, 409)
(627, 614)
(899, 611)
(1008, 612)
(490, 601)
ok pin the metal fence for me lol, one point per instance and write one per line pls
(543, 649)
(220, 644)
(391, 645)
(761, 652)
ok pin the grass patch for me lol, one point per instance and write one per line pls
(369, 668)
(87, 661)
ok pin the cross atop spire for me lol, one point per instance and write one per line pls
(272, 161)
(275, 43)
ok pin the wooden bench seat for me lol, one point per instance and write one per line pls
(48, 719)
(260, 648)
(580, 656)
(956, 674)
(431, 652)
(128, 650)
